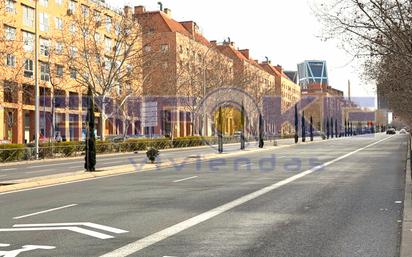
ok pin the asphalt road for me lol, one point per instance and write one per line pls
(335, 198)
(24, 170)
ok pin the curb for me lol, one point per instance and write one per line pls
(11, 164)
(79, 176)
(406, 237)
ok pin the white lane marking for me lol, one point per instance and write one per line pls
(45, 211)
(175, 229)
(87, 224)
(74, 229)
(25, 248)
(4, 245)
(83, 180)
(8, 169)
(398, 202)
(180, 180)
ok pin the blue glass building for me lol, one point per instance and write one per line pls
(312, 72)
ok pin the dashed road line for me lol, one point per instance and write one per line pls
(45, 211)
(180, 180)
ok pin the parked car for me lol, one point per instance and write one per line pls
(391, 131)
(403, 131)
(5, 142)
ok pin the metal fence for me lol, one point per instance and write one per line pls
(75, 149)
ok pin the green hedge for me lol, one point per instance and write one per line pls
(16, 152)
(12, 152)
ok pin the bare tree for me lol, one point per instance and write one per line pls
(103, 48)
(379, 33)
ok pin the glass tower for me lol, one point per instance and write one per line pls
(312, 72)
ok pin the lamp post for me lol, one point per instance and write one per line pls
(36, 84)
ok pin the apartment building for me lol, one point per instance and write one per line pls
(42, 25)
(288, 91)
(179, 63)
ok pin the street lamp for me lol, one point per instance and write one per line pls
(36, 84)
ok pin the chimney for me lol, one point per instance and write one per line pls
(127, 11)
(213, 42)
(139, 10)
(279, 68)
(168, 12)
(245, 53)
(190, 26)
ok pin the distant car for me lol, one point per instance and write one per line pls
(391, 131)
(5, 142)
(237, 134)
(403, 131)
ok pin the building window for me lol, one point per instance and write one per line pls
(44, 3)
(73, 100)
(108, 24)
(72, 6)
(73, 51)
(85, 10)
(28, 41)
(97, 37)
(147, 49)
(59, 23)
(60, 99)
(10, 6)
(97, 16)
(117, 29)
(28, 16)
(44, 47)
(10, 32)
(10, 92)
(108, 44)
(59, 48)
(73, 28)
(44, 22)
(44, 71)
(59, 70)
(73, 73)
(11, 60)
(164, 48)
(28, 68)
(28, 94)
(59, 2)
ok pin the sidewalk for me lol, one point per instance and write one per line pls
(406, 238)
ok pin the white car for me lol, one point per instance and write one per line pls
(403, 131)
